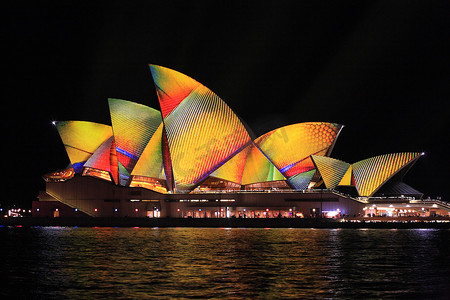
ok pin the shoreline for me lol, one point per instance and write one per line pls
(382, 223)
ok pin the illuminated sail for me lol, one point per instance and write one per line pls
(133, 125)
(202, 131)
(289, 148)
(259, 169)
(81, 139)
(301, 181)
(370, 174)
(348, 178)
(332, 170)
(233, 169)
(150, 163)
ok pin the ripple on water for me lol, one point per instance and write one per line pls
(144, 263)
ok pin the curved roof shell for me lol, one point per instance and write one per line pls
(202, 131)
(81, 139)
(133, 125)
(197, 135)
(105, 159)
(150, 163)
(367, 175)
(289, 147)
(332, 170)
(370, 174)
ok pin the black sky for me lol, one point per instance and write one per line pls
(382, 68)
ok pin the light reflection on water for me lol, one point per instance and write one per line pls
(224, 263)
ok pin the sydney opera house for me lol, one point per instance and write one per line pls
(196, 158)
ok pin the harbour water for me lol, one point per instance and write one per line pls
(230, 263)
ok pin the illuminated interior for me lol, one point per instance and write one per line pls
(217, 184)
(154, 184)
(97, 173)
(268, 186)
(59, 176)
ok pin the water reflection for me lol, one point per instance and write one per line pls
(224, 263)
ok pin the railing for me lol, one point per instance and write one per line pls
(434, 201)
(279, 191)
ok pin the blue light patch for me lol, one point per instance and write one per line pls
(126, 153)
(78, 167)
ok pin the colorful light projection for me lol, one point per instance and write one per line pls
(133, 124)
(370, 174)
(289, 147)
(247, 167)
(367, 175)
(259, 169)
(200, 136)
(104, 159)
(348, 179)
(233, 169)
(150, 163)
(172, 87)
(332, 170)
(202, 131)
(301, 181)
(81, 139)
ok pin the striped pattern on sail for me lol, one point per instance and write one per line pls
(259, 169)
(150, 163)
(301, 181)
(370, 174)
(332, 170)
(133, 125)
(202, 131)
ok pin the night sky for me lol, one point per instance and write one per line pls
(381, 68)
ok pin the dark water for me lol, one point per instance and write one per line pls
(139, 263)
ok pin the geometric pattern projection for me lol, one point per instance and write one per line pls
(302, 166)
(202, 131)
(370, 174)
(258, 168)
(101, 159)
(233, 169)
(301, 181)
(289, 147)
(172, 87)
(348, 179)
(197, 135)
(133, 125)
(247, 167)
(150, 163)
(81, 139)
(332, 170)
